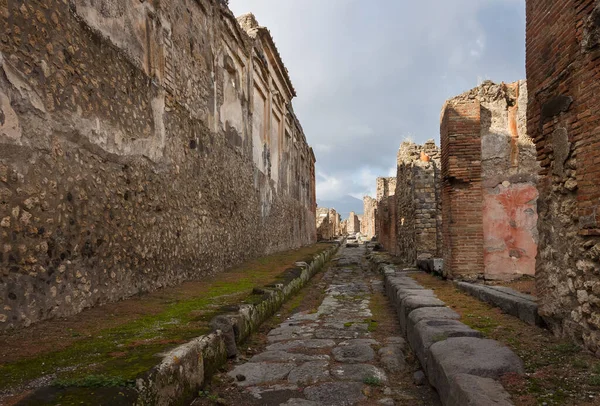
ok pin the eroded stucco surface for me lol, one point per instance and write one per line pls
(132, 152)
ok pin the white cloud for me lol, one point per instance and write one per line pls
(368, 72)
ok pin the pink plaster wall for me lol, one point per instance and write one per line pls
(510, 230)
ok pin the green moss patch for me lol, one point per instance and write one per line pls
(116, 355)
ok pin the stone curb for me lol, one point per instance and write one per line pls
(508, 300)
(463, 367)
(184, 369)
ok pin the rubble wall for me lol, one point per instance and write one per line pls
(563, 50)
(418, 202)
(142, 144)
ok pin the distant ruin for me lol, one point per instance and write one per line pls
(328, 224)
(142, 144)
(367, 225)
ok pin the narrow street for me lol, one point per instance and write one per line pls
(346, 352)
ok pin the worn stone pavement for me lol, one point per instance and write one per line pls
(331, 357)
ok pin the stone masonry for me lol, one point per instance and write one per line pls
(324, 231)
(367, 225)
(489, 179)
(418, 213)
(353, 223)
(141, 144)
(564, 97)
(328, 224)
(385, 216)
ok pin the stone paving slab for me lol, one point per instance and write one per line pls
(255, 373)
(330, 359)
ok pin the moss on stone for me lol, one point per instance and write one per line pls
(127, 351)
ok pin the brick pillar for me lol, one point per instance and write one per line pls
(462, 225)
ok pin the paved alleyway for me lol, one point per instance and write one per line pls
(339, 355)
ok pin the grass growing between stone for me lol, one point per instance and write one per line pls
(558, 372)
(114, 344)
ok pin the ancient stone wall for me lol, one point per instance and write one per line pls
(324, 231)
(141, 144)
(334, 223)
(385, 187)
(563, 50)
(418, 202)
(353, 223)
(367, 226)
(489, 193)
(385, 214)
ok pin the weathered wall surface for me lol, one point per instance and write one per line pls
(462, 199)
(353, 225)
(385, 214)
(563, 49)
(509, 174)
(324, 231)
(489, 166)
(141, 143)
(418, 201)
(501, 183)
(334, 222)
(367, 226)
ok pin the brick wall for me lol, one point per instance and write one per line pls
(563, 61)
(462, 199)
(489, 184)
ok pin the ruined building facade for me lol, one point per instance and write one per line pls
(141, 143)
(418, 202)
(489, 184)
(564, 98)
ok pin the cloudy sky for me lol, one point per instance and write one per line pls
(371, 73)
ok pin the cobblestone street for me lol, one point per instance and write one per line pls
(338, 355)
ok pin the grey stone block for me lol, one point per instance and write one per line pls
(471, 390)
(431, 313)
(411, 303)
(471, 356)
(401, 293)
(513, 303)
(425, 333)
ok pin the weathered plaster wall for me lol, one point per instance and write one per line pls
(134, 154)
(490, 175)
(418, 202)
(563, 50)
(509, 174)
